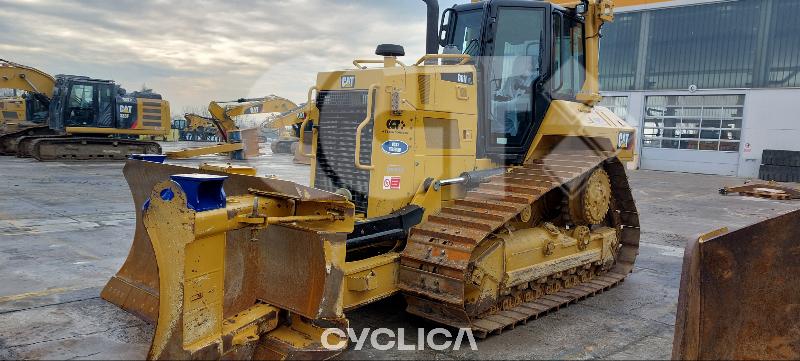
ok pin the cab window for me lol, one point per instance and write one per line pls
(467, 32)
(80, 110)
(568, 65)
(513, 68)
(81, 96)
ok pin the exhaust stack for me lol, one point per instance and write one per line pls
(432, 32)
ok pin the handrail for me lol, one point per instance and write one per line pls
(464, 58)
(301, 146)
(370, 102)
(358, 62)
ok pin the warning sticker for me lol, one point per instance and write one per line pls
(391, 182)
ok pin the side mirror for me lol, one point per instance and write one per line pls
(448, 18)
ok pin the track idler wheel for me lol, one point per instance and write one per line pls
(591, 199)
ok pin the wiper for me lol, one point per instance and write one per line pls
(469, 46)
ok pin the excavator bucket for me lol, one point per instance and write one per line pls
(740, 293)
(215, 285)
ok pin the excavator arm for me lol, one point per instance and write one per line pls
(292, 117)
(224, 112)
(17, 76)
(222, 116)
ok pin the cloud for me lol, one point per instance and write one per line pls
(196, 51)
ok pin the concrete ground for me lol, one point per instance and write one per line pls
(65, 228)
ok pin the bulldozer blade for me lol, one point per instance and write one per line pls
(740, 293)
(135, 287)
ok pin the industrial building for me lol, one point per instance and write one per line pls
(708, 84)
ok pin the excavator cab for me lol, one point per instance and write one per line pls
(81, 102)
(36, 106)
(511, 42)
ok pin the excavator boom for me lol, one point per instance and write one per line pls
(21, 77)
(222, 116)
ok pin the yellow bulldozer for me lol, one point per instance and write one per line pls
(195, 127)
(240, 144)
(482, 183)
(70, 117)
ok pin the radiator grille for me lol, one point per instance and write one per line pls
(340, 112)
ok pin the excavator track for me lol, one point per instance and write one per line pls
(25, 144)
(434, 284)
(9, 141)
(89, 148)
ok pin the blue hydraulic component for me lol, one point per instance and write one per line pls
(203, 191)
(235, 136)
(167, 194)
(237, 155)
(155, 158)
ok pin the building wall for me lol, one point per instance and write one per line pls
(713, 47)
(770, 121)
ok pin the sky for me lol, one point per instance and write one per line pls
(193, 52)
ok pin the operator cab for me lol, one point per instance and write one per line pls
(527, 53)
(80, 101)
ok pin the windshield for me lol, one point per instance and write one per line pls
(467, 31)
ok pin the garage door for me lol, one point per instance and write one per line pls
(694, 133)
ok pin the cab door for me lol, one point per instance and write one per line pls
(517, 44)
(80, 110)
(105, 106)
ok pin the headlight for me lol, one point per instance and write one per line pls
(625, 140)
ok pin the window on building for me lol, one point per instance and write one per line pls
(619, 49)
(721, 44)
(708, 122)
(782, 59)
(616, 104)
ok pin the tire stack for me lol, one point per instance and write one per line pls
(780, 166)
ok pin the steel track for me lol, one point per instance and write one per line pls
(436, 261)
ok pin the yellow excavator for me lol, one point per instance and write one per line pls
(70, 117)
(482, 183)
(240, 144)
(287, 126)
(29, 110)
